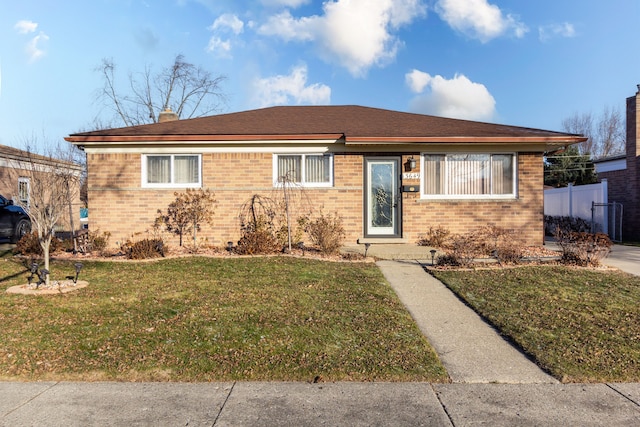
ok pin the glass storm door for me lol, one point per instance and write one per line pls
(382, 197)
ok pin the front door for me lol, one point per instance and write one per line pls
(382, 198)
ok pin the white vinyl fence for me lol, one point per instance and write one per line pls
(577, 201)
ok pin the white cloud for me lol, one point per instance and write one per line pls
(417, 80)
(33, 47)
(219, 47)
(285, 3)
(290, 89)
(556, 30)
(226, 22)
(458, 97)
(357, 34)
(285, 26)
(25, 27)
(479, 19)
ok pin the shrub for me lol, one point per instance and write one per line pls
(501, 243)
(465, 248)
(436, 237)
(143, 249)
(187, 212)
(260, 241)
(449, 259)
(489, 241)
(29, 245)
(98, 241)
(326, 232)
(553, 224)
(583, 249)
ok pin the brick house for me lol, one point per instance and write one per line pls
(390, 175)
(623, 173)
(20, 170)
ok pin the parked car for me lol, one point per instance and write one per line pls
(14, 221)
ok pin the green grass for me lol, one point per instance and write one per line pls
(204, 319)
(581, 325)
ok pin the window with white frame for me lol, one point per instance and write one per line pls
(311, 170)
(171, 170)
(468, 175)
(24, 191)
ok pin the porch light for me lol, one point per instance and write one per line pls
(411, 163)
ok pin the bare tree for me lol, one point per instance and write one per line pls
(611, 132)
(581, 124)
(188, 90)
(606, 133)
(53, 183)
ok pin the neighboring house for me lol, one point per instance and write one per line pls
(18, 171)
(390, 175)
(623, 173)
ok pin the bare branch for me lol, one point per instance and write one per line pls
(189, 90)
(606, 134)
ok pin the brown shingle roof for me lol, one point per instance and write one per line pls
(16, 155)
(354, 123)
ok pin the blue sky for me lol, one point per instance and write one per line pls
(525, 63)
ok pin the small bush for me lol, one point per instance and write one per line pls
(464, 248)
(326, 232)
(489, 241)
(143, 249)
(435, 237)
(565, 224)
(29, 245)
(254, 242)
(448, 259)
(98, 241)
(583, 249)
(500, 243)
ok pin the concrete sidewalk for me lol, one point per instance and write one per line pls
(301, 404)
(470, 349)
(625, 258)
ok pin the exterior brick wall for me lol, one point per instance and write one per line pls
(525, 214)
(624, 185)
(9, 178)
(118, 203)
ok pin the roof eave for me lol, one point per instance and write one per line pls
(548, 140)
(162, 139)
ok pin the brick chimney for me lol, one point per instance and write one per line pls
(632, 185)
(167, 116)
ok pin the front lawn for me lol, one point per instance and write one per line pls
(581, 325)
(208, 319)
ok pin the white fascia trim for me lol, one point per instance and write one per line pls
(300, 149)
(611, 165)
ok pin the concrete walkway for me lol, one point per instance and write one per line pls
(71, 404)
(625, 258)
(470, 349)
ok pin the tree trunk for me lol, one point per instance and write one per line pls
(71, 223)
(46, 245)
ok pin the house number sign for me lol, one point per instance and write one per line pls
(411, 175)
